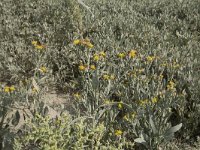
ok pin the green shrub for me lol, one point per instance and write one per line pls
(63, 133)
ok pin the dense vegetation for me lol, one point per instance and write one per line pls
(130, 69)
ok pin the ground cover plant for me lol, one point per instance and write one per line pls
(130, 70)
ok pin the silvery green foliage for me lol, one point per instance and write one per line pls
(84, 5)
(165, 28)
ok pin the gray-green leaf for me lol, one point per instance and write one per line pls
(153, 125)
(140, 140)
(170, 132)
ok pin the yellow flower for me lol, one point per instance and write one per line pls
(34, 43)
(171, 85)
(126, 118)
(77, 95)
(120, 106)
(85, 42)
(133, 115)
(150, 58)
(154, 100)
(106, 77)
(96, 57)
(89, 45)
(102, 54)
(118, 132)
(76, 42)
(143, 102)
(92, 67)
(8, 89)
(12, 88)
(43, 69)
(132, 53)
(39, 47)
(82, 68)
(34, 90)
(121, 55)
(175, 65)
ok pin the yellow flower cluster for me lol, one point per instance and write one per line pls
(77, 95)
(86, 42)
(133, 115)
(126, 117)
(144, 102)
(108, 77)
(171, 85)
(99, 56)
(150, 58)
(92, 67)
(121, 55)
(43, 69)
(82, 67)
(120, 105)
(130, 116)
(76, 42)
(85, 67)
(118, 132)
(38, 45)
(34, 90)
(175, 65)
(8, 89)
(96, 57)
(154, 100)
(102, 54)
(131, 54)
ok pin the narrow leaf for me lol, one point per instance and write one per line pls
(35, 85)
(152, 125)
